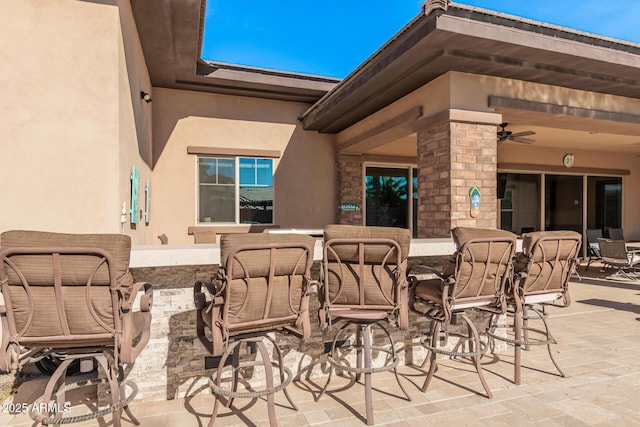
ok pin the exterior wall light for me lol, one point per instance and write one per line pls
(145, 97)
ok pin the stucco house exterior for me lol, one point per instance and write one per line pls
(120, 103)
(113, 123)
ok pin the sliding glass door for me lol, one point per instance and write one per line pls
(519, 196)
(604, 196)
(537, 201)
(391, 196)
(563, 202)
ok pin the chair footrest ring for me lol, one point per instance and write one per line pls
(216, 389)
(454, 353)
(523, 343)
(38, 417)
(372, 370)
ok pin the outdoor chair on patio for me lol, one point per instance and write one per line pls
(474, 279)
(593, 248)
(616, 256)
(615, 234)
(541, 276)
(262, 286)
(69, 297)
(363, 284)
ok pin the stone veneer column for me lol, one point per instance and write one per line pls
(350, 182)
(454, 156)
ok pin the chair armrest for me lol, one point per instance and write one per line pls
(312, 288)
(128, 352)
(304, 321)
(199, 297)
(146, 300)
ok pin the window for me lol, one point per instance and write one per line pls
(236, 190)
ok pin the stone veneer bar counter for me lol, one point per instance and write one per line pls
(172, 364)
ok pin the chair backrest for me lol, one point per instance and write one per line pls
(615, 234)
(364, 268)
(62, 290)
(264, 281)
(592, 241)
(613, 251)
(549, 258)
(481, 267)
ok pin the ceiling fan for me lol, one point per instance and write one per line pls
(504, 135)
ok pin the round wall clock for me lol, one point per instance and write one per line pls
(567, 160)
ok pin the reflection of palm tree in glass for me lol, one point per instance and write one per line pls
(387, 200)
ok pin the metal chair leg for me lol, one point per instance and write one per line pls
(435, 332)
(364, 353)
(365, 335)
(550, 339)
(258, 347)
(477, 350)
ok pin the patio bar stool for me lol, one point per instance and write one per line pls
(475, 278)
(542, 273)
(69, 299)
(363, 284)
(261, 287)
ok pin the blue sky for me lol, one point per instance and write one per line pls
(332, 37)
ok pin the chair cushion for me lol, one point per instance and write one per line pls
(551, 249)
(248, 298)
(251, 302)
(360, 314)
(46, 320)
(429, 290)
(462, 235)
(544, 274)
(256, 263)
(76, 269)
(482, 264)
(344, 280)
(349, 253)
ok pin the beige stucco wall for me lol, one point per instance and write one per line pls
(304, 176)
(471, 92)
(135, 136)
(67, 116)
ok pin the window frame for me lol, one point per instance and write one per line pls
(236, 186)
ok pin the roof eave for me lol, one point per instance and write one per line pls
(345, 104)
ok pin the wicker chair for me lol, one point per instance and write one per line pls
(70, 297)
(262, 286)
(542, 273)
(364, 284)
(475, 278)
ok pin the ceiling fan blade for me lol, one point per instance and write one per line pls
(522, 140)
(525, 133)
